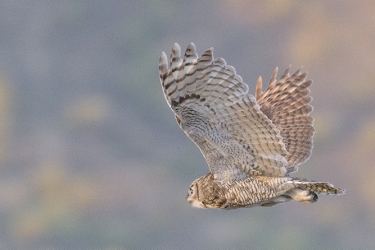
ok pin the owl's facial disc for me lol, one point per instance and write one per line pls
(193, 196)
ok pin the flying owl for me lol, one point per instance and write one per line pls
(251, 144)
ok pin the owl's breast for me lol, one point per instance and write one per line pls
(252, 191)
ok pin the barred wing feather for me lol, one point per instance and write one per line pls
(213, 107)
(287, 103)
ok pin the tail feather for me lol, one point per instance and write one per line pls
(306, 191)
(317, 187)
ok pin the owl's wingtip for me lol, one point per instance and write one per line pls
(163, 65)
(163, 58)
(176, 45)
(176, 50)
(258, 88)
(191, 48)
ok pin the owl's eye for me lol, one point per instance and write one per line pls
(191, 191)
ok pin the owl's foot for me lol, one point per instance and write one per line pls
(304, 196)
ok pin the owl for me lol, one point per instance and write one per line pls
(252, 143)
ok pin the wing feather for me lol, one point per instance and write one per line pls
(287, 103)
(213, 107)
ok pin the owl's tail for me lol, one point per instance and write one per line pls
(306, 191)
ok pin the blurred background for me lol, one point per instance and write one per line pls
(91, 156)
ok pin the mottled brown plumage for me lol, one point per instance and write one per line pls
(251, 144)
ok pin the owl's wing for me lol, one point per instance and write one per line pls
(213, 107)
(286, 102)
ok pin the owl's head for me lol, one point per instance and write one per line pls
(193, 195)
(205, 192)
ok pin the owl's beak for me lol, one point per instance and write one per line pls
(196, 203)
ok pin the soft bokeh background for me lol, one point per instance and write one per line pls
(91, 156)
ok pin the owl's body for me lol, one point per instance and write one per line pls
(255, 191)
(251, 144)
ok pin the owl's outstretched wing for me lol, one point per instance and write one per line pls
(286, 102)
(214, 109)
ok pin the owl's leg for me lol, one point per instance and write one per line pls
(304, 196)
(276, 200)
